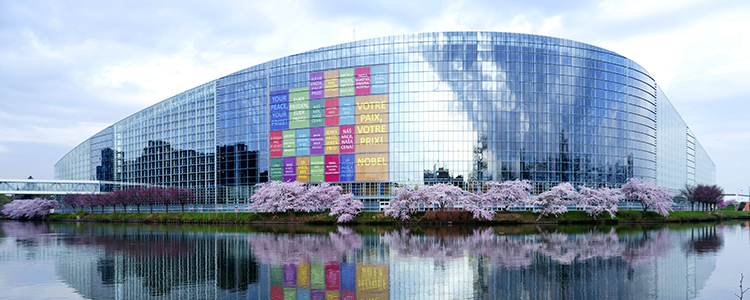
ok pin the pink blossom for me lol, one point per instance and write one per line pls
(30, 209)
(555, 200)
(277, 196)
(649, 195)
(346, 207)
(479, 206)
(441, 195)
(318, 197)
(597, 201)
(648, 249)
(278, 249)
(508, 194)
(406, 202)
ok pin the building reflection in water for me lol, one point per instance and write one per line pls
(142, 262)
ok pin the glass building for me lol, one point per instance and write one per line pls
(370, 115)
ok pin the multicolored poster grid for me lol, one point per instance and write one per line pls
(336, 129)
(332, 280)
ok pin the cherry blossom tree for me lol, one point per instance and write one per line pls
(688, 192)
(70, 200)
(294, 196)
(479, 206)
(277, 196)
(103, 200)
(507, 194)
(30, 209)
(406, 202)
(709, 195)
(441, 195)
(555, 200)
(346, 207)
(409, 201)
(120, 197)
(317, 197)
(137, 196)
(501, 195)
(184, 196)
(731, 202)
(154, 196)
(597, 201)
(86, 200)
(649, 195)
(171, 195)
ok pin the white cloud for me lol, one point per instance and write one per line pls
(634, 9)
(70, 134)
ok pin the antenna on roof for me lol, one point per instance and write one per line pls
(354, 31)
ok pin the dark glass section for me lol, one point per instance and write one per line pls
(239, 166)
(160, 164)
(106, 171)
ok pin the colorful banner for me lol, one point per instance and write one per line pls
(332, 280)
(336, 128)
(372, 282)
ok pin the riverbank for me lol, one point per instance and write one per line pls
(379, 218)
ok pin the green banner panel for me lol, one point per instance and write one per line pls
(277, 275)
(345, 73)
(277, 162)
(346, 91)
(317, 276)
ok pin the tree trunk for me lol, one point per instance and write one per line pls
(691, 206)
(151, 208)
(138, 208)
(125, 208)
(92, 209)
(183, 207)
(102, 208)
(166, 208)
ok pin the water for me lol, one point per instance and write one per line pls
(125, 261)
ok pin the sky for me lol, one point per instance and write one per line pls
(68, 69)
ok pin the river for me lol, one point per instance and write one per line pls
(136, 261)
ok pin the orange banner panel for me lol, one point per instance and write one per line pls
(331, 74)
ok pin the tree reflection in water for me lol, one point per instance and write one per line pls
(266, 262)
(704, 240)
(27, 233)
(518, 251)
(276, 249)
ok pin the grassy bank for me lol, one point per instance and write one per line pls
(376, 218)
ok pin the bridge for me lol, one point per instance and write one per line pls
(59, 187)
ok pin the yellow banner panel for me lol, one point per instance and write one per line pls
(371, 104)
(371, 167)
(372, 279)
(372, 142)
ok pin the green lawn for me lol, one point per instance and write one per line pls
(378, 218)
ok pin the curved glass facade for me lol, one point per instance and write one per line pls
(460, 107)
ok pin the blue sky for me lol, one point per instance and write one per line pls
(70, 68)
